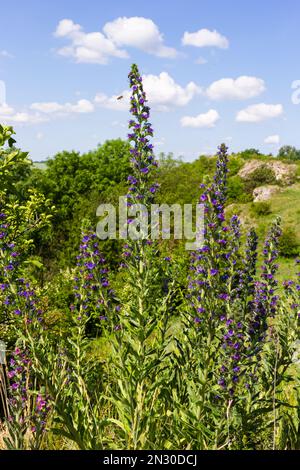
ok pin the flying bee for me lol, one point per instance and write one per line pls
(120, 97)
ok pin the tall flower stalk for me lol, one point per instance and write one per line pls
(139, 346)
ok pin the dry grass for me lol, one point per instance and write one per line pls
(2, 435)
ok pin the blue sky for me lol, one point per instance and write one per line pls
(216, 70)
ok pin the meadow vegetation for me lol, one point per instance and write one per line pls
(144, 345)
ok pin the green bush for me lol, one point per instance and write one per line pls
(236, 190)
(288, 152)
(289, 243)
(261, 176)
(261, 208)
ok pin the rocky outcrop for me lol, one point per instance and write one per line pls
(264, 193)
(283, 173)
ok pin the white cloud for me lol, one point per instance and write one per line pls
(208, 119)
(205, 38)
(86, 47)
(82, 106)
(44, 111)
(259, 112)
(162, 92)
(201, 61)
(10, 115)
(6, 110)
(39, 136)
(97, 47)
(67, 28)
(48, 107)
(272, 139)
(141, 33)
(22, 118)
(112, 102)
(242, 88)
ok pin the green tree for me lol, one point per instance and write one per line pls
(288, 152)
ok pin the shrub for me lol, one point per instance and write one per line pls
(259, 177)
(289, 243)
(236, 190)
(261, 208)
(288, 152)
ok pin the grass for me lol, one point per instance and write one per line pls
(2, 435)
(286, 205)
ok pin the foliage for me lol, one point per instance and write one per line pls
(288, 152)
(250, 153)
(162, 350)
(261, 176)
(237, 191)
(289, 242)
(261, 208)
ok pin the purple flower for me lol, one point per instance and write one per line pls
(197, 320)
(224, 296)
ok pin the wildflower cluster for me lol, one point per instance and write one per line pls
(18, 297)
(18, 374)
(142, 158)
(265, 298)
(142, 189)
(206, 373)
(210, 264)
(94, 296)
(9, 254)
(28, 412)
(248, 271)
(229, 306)
(40, 413)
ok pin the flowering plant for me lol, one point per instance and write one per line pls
(205, 365)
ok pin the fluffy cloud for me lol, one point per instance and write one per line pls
(259, 112)
(112, 102)
(141, 33)
(67, 28)
(82, 106)
(208, 119)
(242, 88)
(97, 47)
(205, 38)
(272, 139)
(162, 92)
(9, 115)
(44, 111)
(48, 107)
(6, 110)
(86, 47)
(22, 118)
